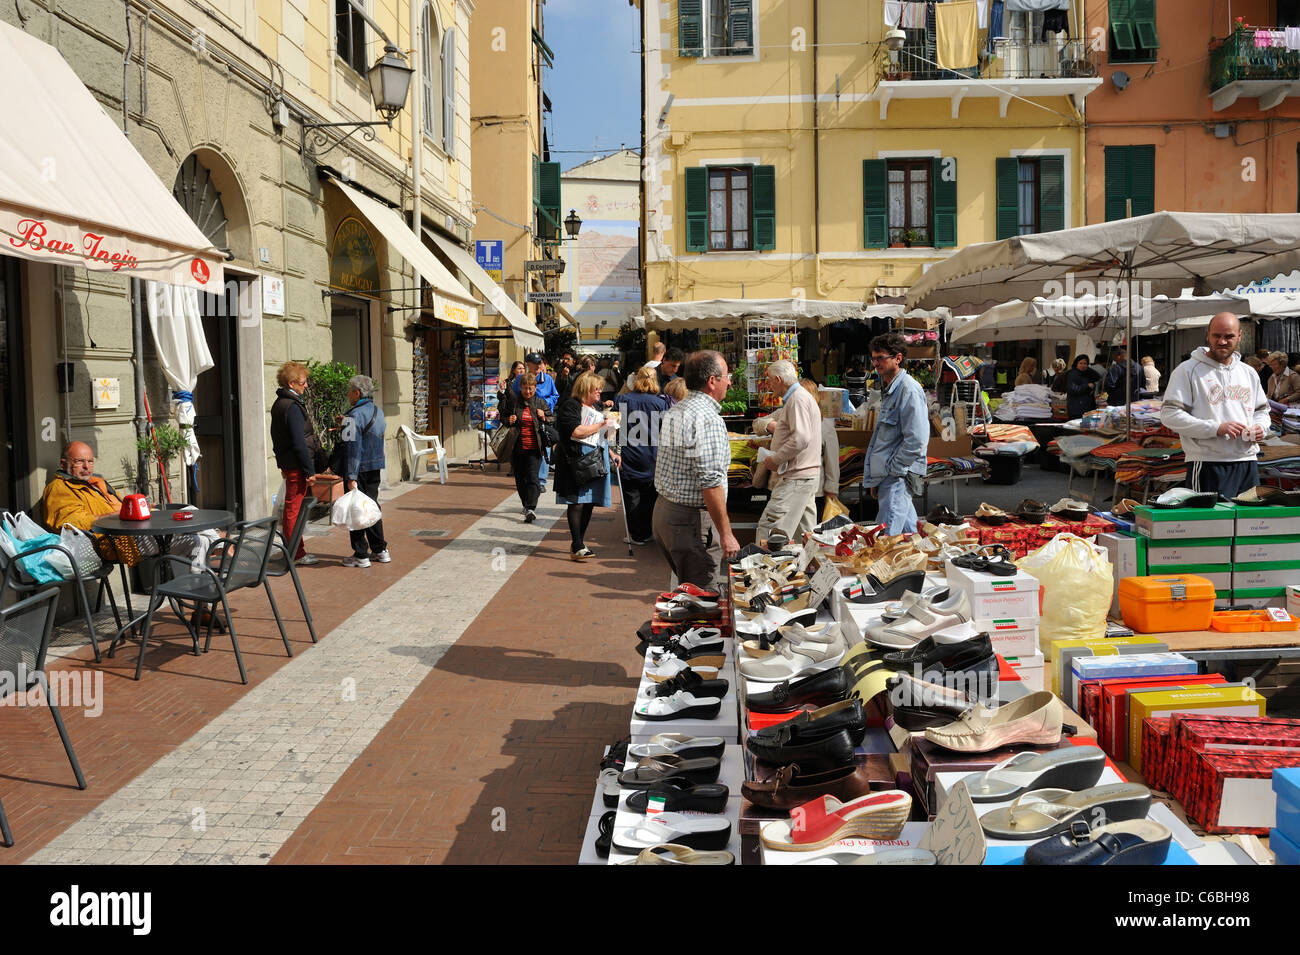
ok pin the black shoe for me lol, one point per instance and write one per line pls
(1031, 511)
(616, 756)
(674, 648)
(839, 520)
(929, 655)
(942, 515)
(917, 705)
(529, 516)
(894, 590)
(750, 549)
(692, 683)
(682, 796)
(828, 753)
(657, 638)
(606, 828)
(821, 689)
(847, 715)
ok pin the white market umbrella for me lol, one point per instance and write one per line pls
(177, 327)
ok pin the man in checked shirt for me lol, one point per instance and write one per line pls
(691, 476)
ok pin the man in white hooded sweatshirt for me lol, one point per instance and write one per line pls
(1215, 403)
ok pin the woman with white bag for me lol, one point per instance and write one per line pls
(363, 439)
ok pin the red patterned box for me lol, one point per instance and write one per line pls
(1192, 734)
(1230, 790)
(1155, 748)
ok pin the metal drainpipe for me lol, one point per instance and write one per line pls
(126, 65)
(137, 343)
(417, 136)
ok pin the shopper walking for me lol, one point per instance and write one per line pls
(546, 390)
(526, 414)
(640, 412)
(1123, 379)
(507, 386)
(795, 454)
(691, 476)
(895, 465)
(1080, 388)
(363, 439)
(582, 428)
(296, 446)
(1216, 405)
(669, 366)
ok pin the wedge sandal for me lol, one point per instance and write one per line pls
(673, 854)
(1045, 812)
(694, 832)
(825, 821)
(1072, 768)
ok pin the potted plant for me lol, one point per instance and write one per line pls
(164, 443)
(910, 237)
(325, 398)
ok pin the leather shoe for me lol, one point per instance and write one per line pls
(792, 787)
(929, 654)
(1034, 719)
(827, 753)
(821, 689)
(807, 727)
(943, 515)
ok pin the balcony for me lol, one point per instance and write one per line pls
(1015, 68)
(1241, 70)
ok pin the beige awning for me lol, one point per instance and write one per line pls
(74, 191)
(527, 336)
(725, 312)
(452, 302)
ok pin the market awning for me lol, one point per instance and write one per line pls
(527, 335)
(452, 302)
(718, 312)
(73, 190)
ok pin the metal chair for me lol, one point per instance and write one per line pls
(231, 563)
(282, 562)
(25, 630)
(415, 453)
(22, 583)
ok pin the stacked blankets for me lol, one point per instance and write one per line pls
(1026, 403)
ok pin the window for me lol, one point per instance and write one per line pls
(1130, 181)
(909, 202)
(350, 36)
(1030, 195)
(730, 208)
(1133, 36)
(546, 198)
(715, 27)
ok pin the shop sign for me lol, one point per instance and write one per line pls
(35, 235)
(548, 296)
(107, 392)
(272, 295)
(451, 311)
(353, 264)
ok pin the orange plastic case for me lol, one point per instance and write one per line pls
(1250, 621)
(1166, 603)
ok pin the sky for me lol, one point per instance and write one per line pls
(595, 88)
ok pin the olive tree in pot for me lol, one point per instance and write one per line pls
(325, 398)
(163, 444)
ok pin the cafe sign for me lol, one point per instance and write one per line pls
(353, 264)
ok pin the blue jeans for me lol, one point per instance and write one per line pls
(897, 509)
(542, 471)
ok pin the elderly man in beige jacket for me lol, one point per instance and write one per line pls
(795, 454)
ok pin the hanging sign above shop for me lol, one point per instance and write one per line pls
(353, 264)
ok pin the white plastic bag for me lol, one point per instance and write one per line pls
(1078, 584)
(355, 511)
(82, 548)
(277, 509)
(25, 529)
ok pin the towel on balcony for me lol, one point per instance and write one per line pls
(956, 35)
(1293, 38)
(914, 15)
(893, 13)
(984, 13)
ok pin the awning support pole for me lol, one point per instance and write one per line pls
(137, 358)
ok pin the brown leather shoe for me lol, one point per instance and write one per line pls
(791, 787)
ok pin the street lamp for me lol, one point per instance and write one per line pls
(572, 224)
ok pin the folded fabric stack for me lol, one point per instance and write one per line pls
(967, 465)
(740, 473)
(852, 462)
(1005, 432)
(1144, 415)
(1026, 403)
(937, 467)
(1140, 465)
(1007, 447)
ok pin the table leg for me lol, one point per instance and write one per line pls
(126, 594)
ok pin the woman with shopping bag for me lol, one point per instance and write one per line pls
(362, 435)
(583, 459)
(523, 417)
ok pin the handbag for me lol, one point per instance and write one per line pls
(589, 467)
(502, 441)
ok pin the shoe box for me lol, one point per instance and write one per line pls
(1267, 521)
(1257, 550)
(1286, 784)
(1030, 669)
(1285, 850)
(1266, 575)
(1165, 555)
(992, 597)
(1130, 666)
(1128, 556)
(1062, 653)
(1228, 699)
(1012, 638)
(1185, 523)
(1104, 704)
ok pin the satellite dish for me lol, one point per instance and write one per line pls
(1120, 79)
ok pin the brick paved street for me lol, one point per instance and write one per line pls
(454, 710)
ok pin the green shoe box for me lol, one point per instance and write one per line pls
(1267, 521)
(1220, 575)
(1277, 575)
(1162, 554)
(1186, 523)
(1256, 550)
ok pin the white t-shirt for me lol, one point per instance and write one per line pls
(652, 364)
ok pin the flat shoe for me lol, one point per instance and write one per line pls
(1034, 719)
(1031, 511)
(942, 515)
(991, 515)
(819, 689)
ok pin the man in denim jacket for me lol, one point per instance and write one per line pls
(895, 466)
(363, 438)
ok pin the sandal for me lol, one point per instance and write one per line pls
(673, 854)
(606, 829)
(1137, 842)
(991, 515)
(824, 821)
(1072, 768)
(1031, 511)
(1044, 812)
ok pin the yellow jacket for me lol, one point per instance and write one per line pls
(70, 500)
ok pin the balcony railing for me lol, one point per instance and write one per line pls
(1011, 59)
(1238, 58)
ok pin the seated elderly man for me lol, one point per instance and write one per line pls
(78, 496)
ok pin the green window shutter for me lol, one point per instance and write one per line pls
(1116, 183)
(1008, 199)
(537, 181)
(1142, 179)
(1144, 22)
(762, 198)
(740, 26)
(875, 203)
(697, 209)
(1051, 193)
(690, 28)
(550, 198)
(944, 233)
(1121, 24)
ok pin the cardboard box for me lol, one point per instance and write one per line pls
(996, 598)
(1225, 700)
(1268, 575)
(1231, 790)
(1260, 597)
(1128, 556)
(1292, 601)
(1113, 705)
(1285, 850)
(938, 448)
(1267, 521)
(1184, 523)
(1011, 637)
(1193, 733)
(1286, 785)
(1219, 575)
(1030, 669)
(1255, 550)
(1165, 555)
(853, 439)
(1155, 744)
(1060, 652)
(1133, 665)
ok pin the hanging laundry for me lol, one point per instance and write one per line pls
(995, 21)
(1037, 6)
(1293, 38)
(983, 6)
(914, 15)
(1054, 21)
(893, 13)
(956, 35)
(1262, 39)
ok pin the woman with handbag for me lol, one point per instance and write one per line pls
(296, 447)
(583, 459)
(524, 416)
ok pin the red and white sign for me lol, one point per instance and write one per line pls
(200, 271)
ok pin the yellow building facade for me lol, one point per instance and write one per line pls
(859, 165)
